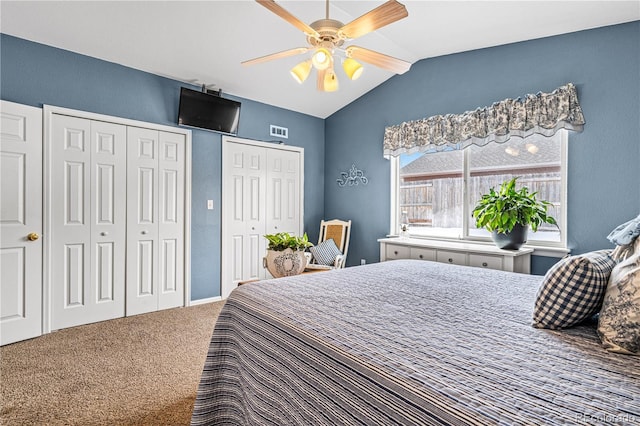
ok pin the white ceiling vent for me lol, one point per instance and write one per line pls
(277, 131)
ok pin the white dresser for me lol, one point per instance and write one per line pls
(459, 253)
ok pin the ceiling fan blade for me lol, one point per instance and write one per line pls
(283, 54)
(385, 14)
(390, 63)
(281, 12)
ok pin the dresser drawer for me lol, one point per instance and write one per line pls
(485, 261)
(454, 257)
(398, 252)
(423, 253)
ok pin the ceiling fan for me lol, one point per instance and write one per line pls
(326, 37)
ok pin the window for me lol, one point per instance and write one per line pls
(435, 192)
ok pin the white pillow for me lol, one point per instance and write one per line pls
(619, 321)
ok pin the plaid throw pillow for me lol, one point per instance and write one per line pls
(573, 290)
(325, 253)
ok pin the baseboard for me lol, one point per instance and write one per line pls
(206, 300)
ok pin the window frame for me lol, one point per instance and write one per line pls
(558, 248)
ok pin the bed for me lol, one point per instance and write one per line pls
(410, 343)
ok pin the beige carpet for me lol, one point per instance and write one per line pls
(140, 370)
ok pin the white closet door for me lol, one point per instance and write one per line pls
(142, 221)
(108, 218)
(243, 245)
(171, 221)
(87, 221)
(283, 189)
(20, 215)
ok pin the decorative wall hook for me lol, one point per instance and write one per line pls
(352, 177)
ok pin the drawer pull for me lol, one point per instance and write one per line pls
(395, 252)
(421, 257)
(450, 260)
(485, 264)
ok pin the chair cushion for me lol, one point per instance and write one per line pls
(573, 290)
(325, 253)
(619, 321)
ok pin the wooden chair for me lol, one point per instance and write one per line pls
(339, 231)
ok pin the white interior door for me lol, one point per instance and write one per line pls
(142, 221)
(171, 222)
(88, 183)
(283, 191)
(20, 216)
(243, 214)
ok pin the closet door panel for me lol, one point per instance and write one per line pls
(171, 220)
(108, 218)
(70, 222)
(254, 214)
(283, 201)
(243, 244)
(142, 221)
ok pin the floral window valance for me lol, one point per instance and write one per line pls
(543, 113)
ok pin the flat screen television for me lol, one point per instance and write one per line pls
(206, 111)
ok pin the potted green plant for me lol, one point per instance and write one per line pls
(508, 213)
(285, 254)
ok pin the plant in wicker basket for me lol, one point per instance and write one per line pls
(285, 254)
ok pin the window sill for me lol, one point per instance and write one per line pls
(547, 251)
(538, 250)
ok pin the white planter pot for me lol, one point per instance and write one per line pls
(285, 263)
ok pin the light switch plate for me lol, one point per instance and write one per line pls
(210, 204)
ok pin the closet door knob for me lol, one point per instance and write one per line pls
(144, 232)
(33, 236)
(104, 233)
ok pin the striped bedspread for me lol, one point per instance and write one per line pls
(406, 343)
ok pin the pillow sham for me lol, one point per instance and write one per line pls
(572, 290)
(326, 252)
(619, 321)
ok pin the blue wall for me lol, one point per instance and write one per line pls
(604, 160)
(35, 74)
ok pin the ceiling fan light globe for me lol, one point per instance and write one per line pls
(330, 81)
(352, 68)
(301, 71)
(321, 59)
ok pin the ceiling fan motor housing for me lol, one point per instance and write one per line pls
(329, 33)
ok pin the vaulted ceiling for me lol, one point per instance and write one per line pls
(204, 42)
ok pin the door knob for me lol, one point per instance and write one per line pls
(104, 234)
(32, 236)
(144, 232)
